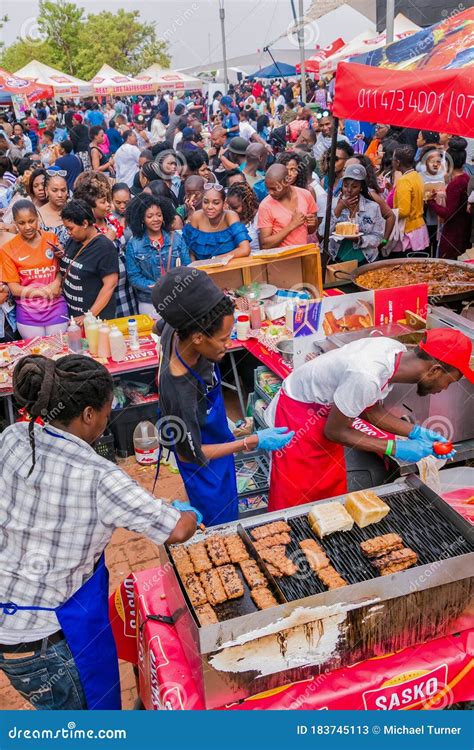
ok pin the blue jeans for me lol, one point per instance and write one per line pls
(48, 679)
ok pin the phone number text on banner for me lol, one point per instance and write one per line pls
(441, 100)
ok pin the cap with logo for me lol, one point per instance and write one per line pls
(355, 172)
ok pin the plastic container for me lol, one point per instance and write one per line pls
(133, 337)
(103, 349)
(242, 327)
(146, 443)
(118, 347)
(92, 336)
(74, 337)
(254, 312)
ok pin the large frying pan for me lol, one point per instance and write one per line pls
(434, 299)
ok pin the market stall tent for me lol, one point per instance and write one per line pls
(109, 82)
(12, 86)
(169, 80)
(275, 70)
(423, 81)
(62, 83)
(368, 41)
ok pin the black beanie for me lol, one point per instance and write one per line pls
(184, 295)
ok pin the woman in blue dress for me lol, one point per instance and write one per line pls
(214, 230)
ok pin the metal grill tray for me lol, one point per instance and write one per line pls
(421, 525)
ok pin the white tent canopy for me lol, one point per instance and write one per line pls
(169, 80)
(367, 41)
(109, 82)
(62, 83)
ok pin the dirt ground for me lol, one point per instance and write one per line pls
(126, 552)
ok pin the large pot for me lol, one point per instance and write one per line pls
(434, 298)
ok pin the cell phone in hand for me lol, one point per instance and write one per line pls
(58, 251)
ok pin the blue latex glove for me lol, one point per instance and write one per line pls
(413, 450)
(186, 508)
(274, 438)
(421, 433)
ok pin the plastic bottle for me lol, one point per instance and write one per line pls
(133, 338)
(103, 350)
(118, 347)
(254, 312)
(92, 336)
(242, 327)
(89, 319)
(74, 336)
(146, 443)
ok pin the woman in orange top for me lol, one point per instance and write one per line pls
(29, 266)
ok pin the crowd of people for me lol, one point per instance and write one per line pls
(99, 200)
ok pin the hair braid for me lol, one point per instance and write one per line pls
(59, 390)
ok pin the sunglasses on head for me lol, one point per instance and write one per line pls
(56, 173)
(213, 186)
(320, 115)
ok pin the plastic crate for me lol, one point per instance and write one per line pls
(261, 393)
(251, 412)
(123, 422)
(255, 465)
(104, 446)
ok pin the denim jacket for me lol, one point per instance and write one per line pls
(143, 261)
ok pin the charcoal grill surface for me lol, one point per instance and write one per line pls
(421, 525)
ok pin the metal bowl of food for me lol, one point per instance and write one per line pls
(285, 347)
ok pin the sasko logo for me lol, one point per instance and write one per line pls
(407, 690)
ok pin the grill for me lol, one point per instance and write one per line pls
(313, 630)
(421, 525)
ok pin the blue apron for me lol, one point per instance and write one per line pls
(212, 489)
(84, 620)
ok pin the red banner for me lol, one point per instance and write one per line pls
(441, 100)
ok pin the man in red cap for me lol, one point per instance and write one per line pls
(320, 400)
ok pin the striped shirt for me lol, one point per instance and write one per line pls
(55, 524)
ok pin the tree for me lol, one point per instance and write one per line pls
(120, 40)
(22, 52)
(60, 24)
(80, 46)
(3, 21)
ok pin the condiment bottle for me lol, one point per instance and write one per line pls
(118, 347)
(103, 350)
(92, 336)
(74, 337)
(254, 312)
(89, 318)
(133, 338)
(242, 327)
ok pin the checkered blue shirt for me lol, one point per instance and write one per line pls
(55, 524)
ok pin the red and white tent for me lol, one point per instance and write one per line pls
(424, 81)
(11, 85)
(313, 63)
(109, 82)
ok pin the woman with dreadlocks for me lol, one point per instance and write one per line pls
(60, 504)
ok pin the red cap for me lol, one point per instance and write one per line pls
(451, 347)
(77, 117)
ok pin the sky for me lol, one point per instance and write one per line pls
(192, 27)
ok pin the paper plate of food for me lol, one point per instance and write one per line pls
(343, 318)
(346, 230)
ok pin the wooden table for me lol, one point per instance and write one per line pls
(300, 268)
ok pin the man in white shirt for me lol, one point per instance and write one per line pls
(320, 400)
(126, 158)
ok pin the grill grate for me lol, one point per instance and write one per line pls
(421, 525)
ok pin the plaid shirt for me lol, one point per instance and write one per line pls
(56, 523)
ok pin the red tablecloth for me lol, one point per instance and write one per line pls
(432, 675)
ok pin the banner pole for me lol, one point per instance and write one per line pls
(331, 175)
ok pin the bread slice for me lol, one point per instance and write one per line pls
(366, 507)
(326, 518)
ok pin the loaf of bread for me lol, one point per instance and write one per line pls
(326, 518)
(366, 507)
(346, 228)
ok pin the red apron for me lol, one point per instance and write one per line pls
(310, 467)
